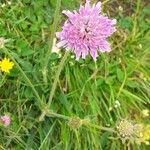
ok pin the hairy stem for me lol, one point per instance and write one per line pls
(60, 67)
(56, 115)
(52, 92)
(50, 44)
(102, 128)
(24, 76)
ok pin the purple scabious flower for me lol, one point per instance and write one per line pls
(86, 31)
(5, 120)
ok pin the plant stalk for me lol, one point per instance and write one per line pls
(50, 44)
(24, 76)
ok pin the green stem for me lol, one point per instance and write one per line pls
(52, 114)
(123, 83)
(24, 75)
(48, 113)
(58, 116)
(52, 92)
(102, 128)
(50, 44)
(60, 67)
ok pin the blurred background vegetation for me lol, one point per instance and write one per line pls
(116, 86)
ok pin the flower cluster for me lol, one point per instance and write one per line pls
(86, 31)
(126, 130)
(135, 133)
(5, 120)
(6, 65)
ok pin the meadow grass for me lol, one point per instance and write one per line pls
(58, 103)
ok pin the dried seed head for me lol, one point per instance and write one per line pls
(127, 130)
(75, 123)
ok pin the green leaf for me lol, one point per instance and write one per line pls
(63, 100)
(110, 80)
(26, 52)
(131, 83)
(27, 66)
(104, 139)
(120, 74)
(126, 22)
(23, 48)
(54, 56)
(28, 92)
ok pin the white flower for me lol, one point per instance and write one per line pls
(54, 48)
(2, 42)
(117, 104)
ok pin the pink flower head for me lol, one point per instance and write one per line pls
(86, 31)
(5, 120)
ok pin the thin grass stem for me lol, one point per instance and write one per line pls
(24, 76)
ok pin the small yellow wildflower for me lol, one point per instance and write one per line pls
(6, 65)
(146, 135)
(143, 136)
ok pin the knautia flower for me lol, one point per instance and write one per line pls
(127, 130)
(134, 132)
(5, 120)
(86, 31)
(6, 65)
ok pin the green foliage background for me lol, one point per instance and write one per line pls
(85, 89)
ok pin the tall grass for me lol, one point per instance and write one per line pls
(45, 92)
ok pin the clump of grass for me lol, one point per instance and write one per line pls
(89, 97)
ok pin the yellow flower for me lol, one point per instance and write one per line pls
(6, 65)
(134, 132)
(143, 136)
(146, 135)
(145, 113)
